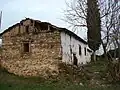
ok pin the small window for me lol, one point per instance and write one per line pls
(85, 51)
(51, 46)
(80, 50)
(26, 47)
(27, 29)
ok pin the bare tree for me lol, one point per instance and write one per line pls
(76, 13)
(85, 13)
(111, 35)
(110, 23)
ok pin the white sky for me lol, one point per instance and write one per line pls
(43, 10)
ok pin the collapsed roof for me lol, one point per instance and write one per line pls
(46, 24)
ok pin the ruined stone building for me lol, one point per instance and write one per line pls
(32, 48)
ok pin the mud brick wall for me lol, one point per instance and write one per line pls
(43, 56)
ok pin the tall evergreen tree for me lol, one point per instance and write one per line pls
(93, 25)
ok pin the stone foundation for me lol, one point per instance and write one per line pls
(31, 67)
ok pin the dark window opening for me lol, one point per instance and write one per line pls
(26, 47)
(85, 51)
(51, 46)
(80, 50)
(27, 29)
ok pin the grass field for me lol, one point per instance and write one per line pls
(97, 81)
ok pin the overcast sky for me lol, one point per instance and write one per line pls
(44, 10)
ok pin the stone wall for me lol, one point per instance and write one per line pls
(44, 51)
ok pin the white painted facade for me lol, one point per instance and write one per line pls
(71, 45)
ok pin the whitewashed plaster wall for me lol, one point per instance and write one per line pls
(68, 42)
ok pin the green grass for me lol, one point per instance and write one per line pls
(95, 72)
(52, 87)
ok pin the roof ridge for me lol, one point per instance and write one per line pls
(59, 28)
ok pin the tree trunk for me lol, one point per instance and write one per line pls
(104, 49)
(94, 56)
(119, 52)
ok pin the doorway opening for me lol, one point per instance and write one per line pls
(75, 60)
